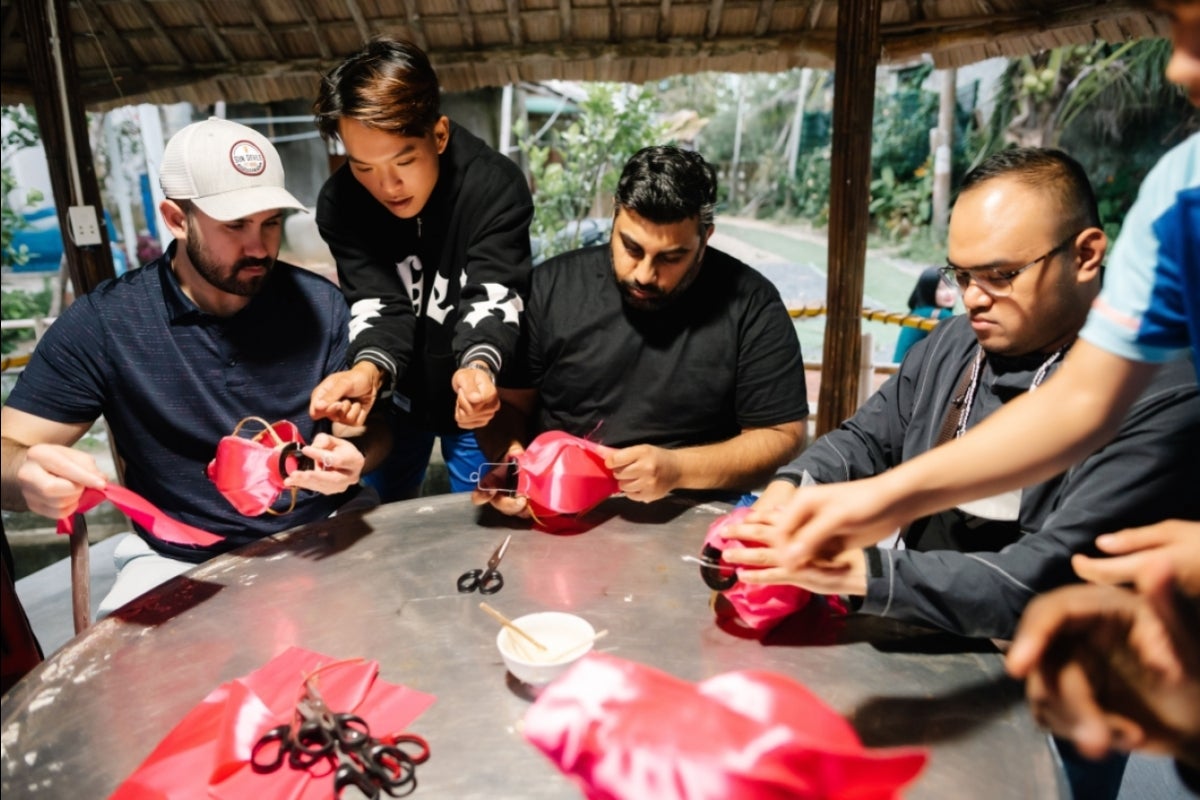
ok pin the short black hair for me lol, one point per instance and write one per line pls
(388, 84)
(1042, 168)
(667, 184)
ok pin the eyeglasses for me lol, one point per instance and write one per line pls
(996, 282)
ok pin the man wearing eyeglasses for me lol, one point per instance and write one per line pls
(1026, 252)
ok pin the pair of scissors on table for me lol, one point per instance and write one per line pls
(489, 580)
(356, 758)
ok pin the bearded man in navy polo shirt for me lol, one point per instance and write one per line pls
(175, 354)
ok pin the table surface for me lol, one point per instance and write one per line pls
(381, 585)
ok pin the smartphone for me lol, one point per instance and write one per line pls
(501, 478)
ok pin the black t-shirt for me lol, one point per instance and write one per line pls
(724, 357)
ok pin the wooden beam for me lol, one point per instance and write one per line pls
(850, 180)
(664, 14)
(762, 20)
(360, 22)
(152, 20)
(713, 25)
(514, 23)
(62, 123)
(214, 36)
(265, 33)
(614, 21)
(305, 10)
(105, 36)
(467, 23)
(565, 23)
(415, 27)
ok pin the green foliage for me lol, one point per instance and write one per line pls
(18, 304)
(898, 207)
(578, 169)
(900, 135)
(811, 197)
(22, 133)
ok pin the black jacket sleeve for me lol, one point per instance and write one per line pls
(1148, 473)
(382, 319)
(496, 275)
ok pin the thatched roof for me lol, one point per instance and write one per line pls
(201, 51)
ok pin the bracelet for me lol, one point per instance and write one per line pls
(482, 366)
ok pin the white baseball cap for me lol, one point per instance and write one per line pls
(227, 170)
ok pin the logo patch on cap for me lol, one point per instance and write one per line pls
(247, 158)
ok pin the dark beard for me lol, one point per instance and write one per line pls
(229, 283)
(658, 299)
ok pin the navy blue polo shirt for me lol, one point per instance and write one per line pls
(171, 380)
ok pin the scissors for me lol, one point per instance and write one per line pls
(487, 581)
(716, 576)
(356, 758)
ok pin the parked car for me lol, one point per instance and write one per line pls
(42, 237)
(591, 230)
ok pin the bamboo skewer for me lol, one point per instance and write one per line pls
(506, 622)
(566, 651)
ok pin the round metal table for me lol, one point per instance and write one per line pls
(381, 585)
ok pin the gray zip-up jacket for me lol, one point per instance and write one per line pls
(974, 577)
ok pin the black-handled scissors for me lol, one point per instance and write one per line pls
(357, 759)
(489, 580)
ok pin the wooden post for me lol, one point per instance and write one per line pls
(850, 175)
(62, 122)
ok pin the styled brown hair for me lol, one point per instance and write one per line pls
(389, 85)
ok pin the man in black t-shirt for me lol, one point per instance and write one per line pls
(678, 355)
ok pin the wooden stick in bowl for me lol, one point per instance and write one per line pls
(506, 622)
(566, 651)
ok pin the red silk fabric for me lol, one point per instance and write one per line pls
(759, 608)
(142, 512)
(623, 730)
(207, 755)
(563, 474)
(246, 471)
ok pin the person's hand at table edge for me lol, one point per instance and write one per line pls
(347, 397)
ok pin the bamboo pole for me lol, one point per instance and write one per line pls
(850, 175)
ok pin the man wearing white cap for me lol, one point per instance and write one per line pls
(174, 354)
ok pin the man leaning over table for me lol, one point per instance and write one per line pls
(1026, 251)
(175, 353)
(681, 357)
(430, 230)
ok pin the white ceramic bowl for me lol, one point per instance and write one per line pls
(567, 638)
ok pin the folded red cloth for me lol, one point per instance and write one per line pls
(564, 474)
(622, 731)
(142, 512)
(207, 755)
(759, 608)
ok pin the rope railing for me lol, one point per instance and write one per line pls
(874, 315)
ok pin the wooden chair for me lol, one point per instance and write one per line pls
(81, 576)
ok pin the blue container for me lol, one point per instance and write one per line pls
(44, 240)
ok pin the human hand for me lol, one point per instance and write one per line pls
(52, 478)
(1109, 667)
(477, 399)
(644, 472)
(337, 465)
(823, 521)
(347, 397)
(506, 502)
(844, 573)
(1176, 541)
